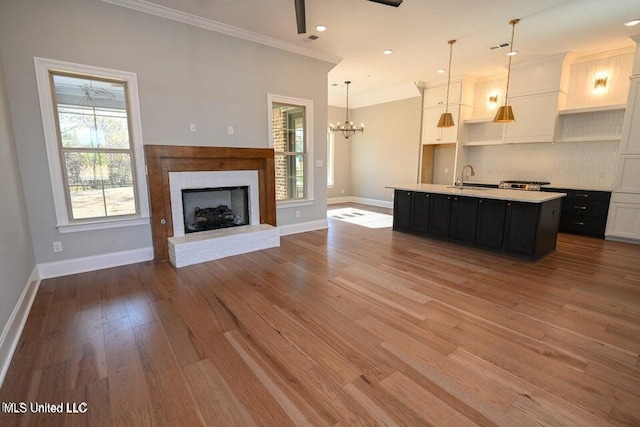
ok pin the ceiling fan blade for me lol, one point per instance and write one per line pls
(394, 3)
(301, 18)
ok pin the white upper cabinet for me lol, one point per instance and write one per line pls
(631, 130)
(431, 133)
(437, 96)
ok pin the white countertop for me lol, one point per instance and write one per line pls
(486, 193)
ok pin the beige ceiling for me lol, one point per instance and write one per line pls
(418, 30)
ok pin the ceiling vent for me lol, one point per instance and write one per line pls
(309, 39)
(499, 46)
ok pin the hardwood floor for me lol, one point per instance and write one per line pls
(346, 326)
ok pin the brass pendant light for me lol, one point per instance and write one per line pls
(505, 113)
(446, 119)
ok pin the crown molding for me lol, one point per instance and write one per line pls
(218, 27)
(604, 55)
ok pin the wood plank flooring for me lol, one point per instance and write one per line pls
(346, 326)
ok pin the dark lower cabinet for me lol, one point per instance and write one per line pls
(584, 212)
(464, 215)
(402, 209)
(519, 228)
(521, 223)
(490, 224)
(440, 217)
(421, 212)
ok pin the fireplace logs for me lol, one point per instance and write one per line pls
(213, 218)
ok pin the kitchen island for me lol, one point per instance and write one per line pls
(515, 222)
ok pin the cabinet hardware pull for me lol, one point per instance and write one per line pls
(448, 198)
(479, 201)
(577, 223)
(508, 204)
(580, 207)
(582, 195)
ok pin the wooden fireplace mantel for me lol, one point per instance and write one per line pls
(162, 159)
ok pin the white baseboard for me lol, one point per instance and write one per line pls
(622, 239)
(13, 329)
(361, 200)
(285, 230)
(92, 263)
(335, 200)
(372, 202)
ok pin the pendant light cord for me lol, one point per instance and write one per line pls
(513, 23)
(451, 42)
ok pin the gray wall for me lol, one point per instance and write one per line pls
(185, 75)
(16, 251)
(444, 158)
(342, 157)
(387, 152)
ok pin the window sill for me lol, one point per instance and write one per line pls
(102, 225)
(294, 203)
(330, 185)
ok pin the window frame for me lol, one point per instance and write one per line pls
(308, 153)
(331, 152)
(64, 221)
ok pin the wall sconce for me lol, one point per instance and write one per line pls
(600, 84)
(493, 101)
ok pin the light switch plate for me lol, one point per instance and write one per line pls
(318, 163)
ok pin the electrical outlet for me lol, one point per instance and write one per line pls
(446, 170)
(297, 214)
(318, 163)
(57, 246)
(192, 127)
(231, 130)
(342, 191)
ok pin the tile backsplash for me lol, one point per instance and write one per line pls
(571, 164)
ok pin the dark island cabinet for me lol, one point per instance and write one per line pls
(464, 215)
(440, 217)
(421, 212)
(402, 202)
(518, 228)
(490, 225)
(521, 223)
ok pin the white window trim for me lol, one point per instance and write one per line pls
(42, 68)
(331, 159)
(309, 171)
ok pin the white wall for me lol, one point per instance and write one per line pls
(185, 75)
(16, 251)
(387, 152)
(342, 157)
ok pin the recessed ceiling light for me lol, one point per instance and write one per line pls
(321, 28)
(632, 22)
(387, 51)
(441, 71)
(515, 52)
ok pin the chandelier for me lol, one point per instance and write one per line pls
(347, 128)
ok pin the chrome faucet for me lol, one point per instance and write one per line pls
(462, 175)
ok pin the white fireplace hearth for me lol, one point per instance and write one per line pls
(203, 246)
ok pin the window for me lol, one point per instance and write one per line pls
(94, 145)
(290, 139)
(330, 159)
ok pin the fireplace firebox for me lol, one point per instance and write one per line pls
(214, 208)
